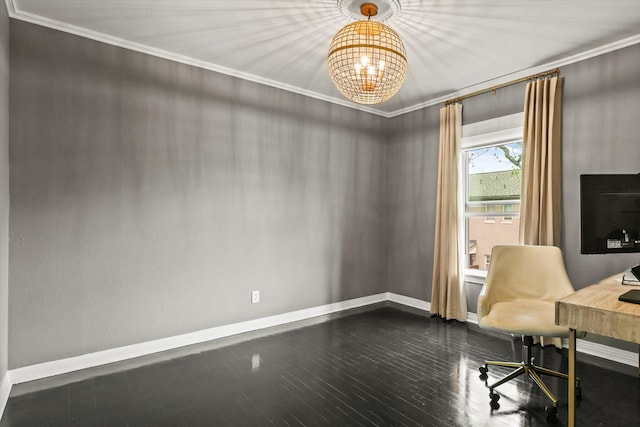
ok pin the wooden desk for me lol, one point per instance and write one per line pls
(596, 309)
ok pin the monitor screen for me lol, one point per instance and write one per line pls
(610, 213)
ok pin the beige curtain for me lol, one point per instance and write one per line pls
(447, 297)
(540, 215)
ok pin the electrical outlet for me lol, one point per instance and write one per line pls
(255, 363)
(255, 297)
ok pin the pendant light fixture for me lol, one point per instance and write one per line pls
(367, 60)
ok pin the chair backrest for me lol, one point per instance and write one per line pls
(526, 272)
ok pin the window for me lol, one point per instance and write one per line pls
(491, 164)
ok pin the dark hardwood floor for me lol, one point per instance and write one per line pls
(375, 368)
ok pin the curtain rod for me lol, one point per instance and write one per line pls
(500, 86)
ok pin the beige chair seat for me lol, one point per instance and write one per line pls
(524, 317)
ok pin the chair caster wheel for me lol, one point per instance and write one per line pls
(483, 372)
(552, 412)
(494, 399)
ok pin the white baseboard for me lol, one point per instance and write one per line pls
(409, 302)
(472, 318)
(5, 390)
(606, 352)
(72, 364)
(91, 360)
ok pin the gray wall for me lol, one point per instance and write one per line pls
(601, 124)
(601, 134)
(412, 182)
(4, 185)
(149, 198)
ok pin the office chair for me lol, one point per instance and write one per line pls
(518, 297)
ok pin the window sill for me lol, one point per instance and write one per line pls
(474, 276)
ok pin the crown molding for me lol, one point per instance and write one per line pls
(591, 53)
(138, 47)
(11, 7)
(183, 59)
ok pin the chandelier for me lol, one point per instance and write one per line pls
(367, 60)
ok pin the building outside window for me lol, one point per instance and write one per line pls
(491, 169)
(487, 261)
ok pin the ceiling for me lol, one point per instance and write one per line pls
(453, 46)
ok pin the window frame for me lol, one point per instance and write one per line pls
(498, 131)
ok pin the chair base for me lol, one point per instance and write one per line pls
(531, 370)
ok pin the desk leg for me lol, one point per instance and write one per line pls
(572, 378)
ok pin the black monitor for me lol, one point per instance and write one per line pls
(610, 213)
